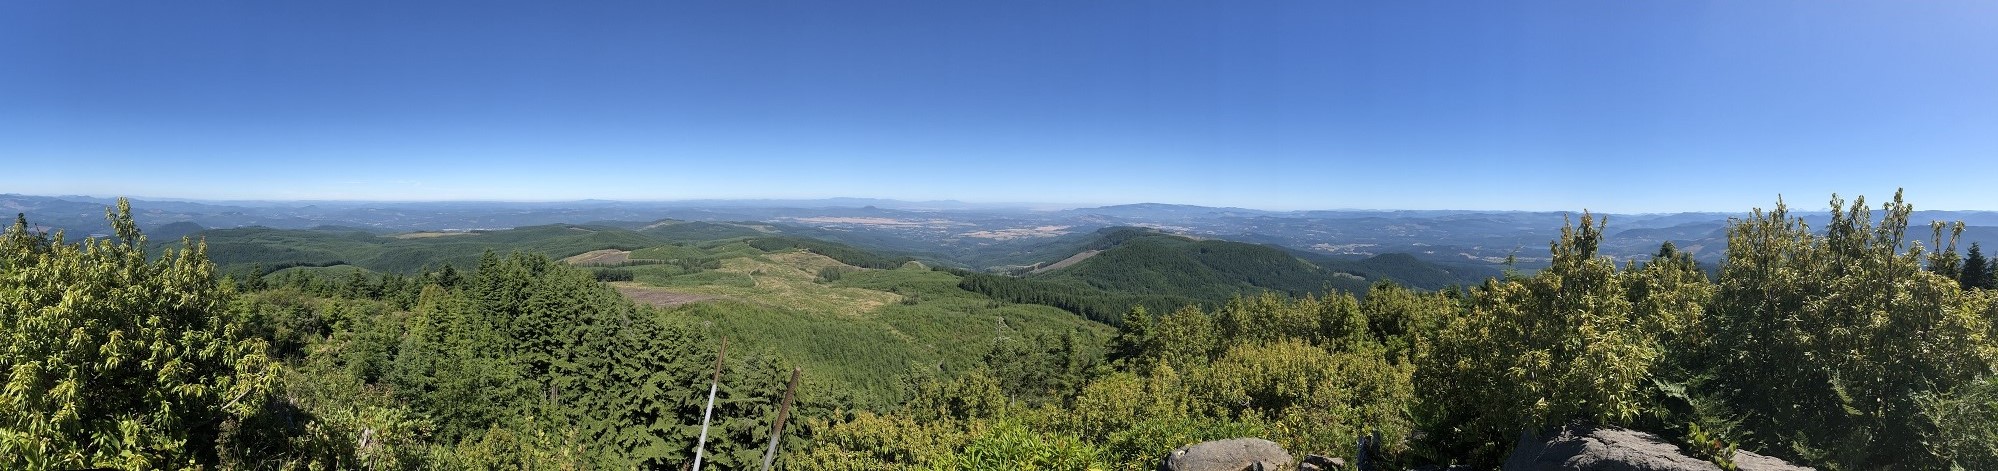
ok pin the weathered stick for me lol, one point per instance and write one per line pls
(783, 412)
(701, 446)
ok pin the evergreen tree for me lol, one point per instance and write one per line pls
(1133, 336)
(1183, 338)
(448, 367)
(1976, 270)
(1990, 278)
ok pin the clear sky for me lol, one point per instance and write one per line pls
(1625, 106)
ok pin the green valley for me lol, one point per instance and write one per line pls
(590, 346)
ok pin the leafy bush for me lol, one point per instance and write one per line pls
(1566, 344)
(113, 359)
(1825, 340)
(1010, 445)
(1711, 448)
(1963, 424)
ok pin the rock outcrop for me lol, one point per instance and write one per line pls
(1616, 449)
(1321, 463)
(1747, 461)
(1234, 454)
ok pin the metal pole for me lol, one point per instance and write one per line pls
(783, 412)
(701, 446)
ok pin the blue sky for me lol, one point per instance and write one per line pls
(1612, 106)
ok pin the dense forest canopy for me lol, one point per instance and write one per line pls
(1862, 344)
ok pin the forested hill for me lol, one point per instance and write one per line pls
(1130, 260)
(264, 249)
(1204, 269)
(1102, 277)
(1407, 270)
(243, 249)
(1146, 261)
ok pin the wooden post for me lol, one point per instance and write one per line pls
(701, 446)
(783, 412)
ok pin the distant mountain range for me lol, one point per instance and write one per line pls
(978, 236)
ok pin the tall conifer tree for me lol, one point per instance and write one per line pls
(1976, 272)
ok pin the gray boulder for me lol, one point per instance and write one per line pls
(1234, 454)
(1748, 461)
(1580, 448)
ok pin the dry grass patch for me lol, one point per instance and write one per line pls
(790, 280)
(600, 257)
(428, 235)
(1071, 260)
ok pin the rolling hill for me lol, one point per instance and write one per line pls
(729, 274)
(857, 321)
(242, 249)
(1142, 262)
(1103, 275)
(1146, 261)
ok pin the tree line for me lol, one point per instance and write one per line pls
(1093, 304)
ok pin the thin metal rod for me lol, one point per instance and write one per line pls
(783, 413)
(701, 447)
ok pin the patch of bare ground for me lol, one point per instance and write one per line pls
(427, 235)
(1071, 260)
(600, 257)
(868, 221)
(657, 296)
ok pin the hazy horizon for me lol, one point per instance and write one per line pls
(1626, 107)
(1807, 208)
